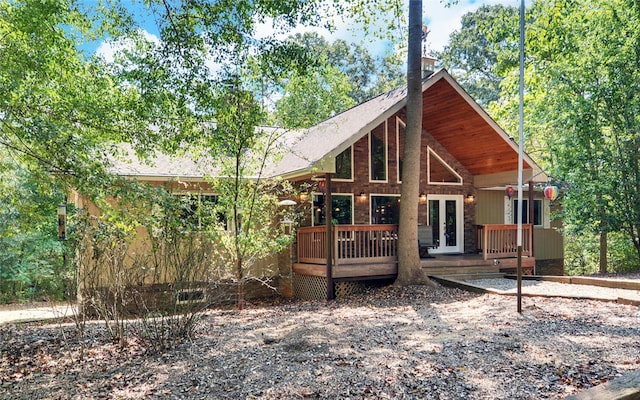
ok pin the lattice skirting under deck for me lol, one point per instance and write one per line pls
(315, 287)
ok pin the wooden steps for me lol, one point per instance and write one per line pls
(462, 270)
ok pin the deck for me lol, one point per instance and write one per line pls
(370, 252)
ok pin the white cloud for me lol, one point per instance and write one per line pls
(109, 48)
(443, 21)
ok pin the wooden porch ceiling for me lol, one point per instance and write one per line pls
(463, 131)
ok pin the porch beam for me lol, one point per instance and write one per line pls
(507, 178)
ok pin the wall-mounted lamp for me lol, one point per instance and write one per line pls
(304, 197)
(362, 196)
(423, 197)
(470, 198)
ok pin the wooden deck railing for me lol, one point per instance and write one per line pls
(353, 244)
(501, 240)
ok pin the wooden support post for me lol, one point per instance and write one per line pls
(531, 221)
(328, 220)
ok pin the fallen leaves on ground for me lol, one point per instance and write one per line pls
(417, 342)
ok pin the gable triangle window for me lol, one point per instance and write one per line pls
(439, 172)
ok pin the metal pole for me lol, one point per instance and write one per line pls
(520, 155)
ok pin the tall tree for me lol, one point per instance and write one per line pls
(56, 107)
(408, 258)
(583, 66)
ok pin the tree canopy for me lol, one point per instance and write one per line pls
(581, 111)
(62, 111)
(482, 50)
(343, 74)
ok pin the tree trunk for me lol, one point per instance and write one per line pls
(408, 259)
(603, 252)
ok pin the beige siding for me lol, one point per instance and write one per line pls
(548, 243)
(134, 264)
(490, 207)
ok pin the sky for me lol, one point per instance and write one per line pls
(441, 20)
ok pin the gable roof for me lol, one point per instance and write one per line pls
(450, 115)
(158, 166)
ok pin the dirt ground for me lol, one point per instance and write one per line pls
(414, 343)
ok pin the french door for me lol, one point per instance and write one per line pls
(445, 215)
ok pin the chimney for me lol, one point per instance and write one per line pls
(428, 63)
(428, 66)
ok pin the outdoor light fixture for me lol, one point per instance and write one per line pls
(287, 222)
(62, 221)
(470, 198)
(304, 197)
(363, 196)
(423, 197)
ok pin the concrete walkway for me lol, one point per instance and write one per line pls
(39, 312)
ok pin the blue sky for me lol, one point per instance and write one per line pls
(441, 20)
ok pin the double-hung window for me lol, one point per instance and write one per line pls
(341, 209)
(537, 212)
(385, 209)
(197, 211)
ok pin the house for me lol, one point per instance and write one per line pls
(354, 163)
(467, 162)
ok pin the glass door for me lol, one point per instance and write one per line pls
(447, 222)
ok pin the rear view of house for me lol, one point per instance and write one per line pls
(468, 164)
(353, 164)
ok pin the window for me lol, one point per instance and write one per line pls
(400, 134)
(341, 209)
(537, 212)
(439, 172)
(344, 167)
(378, 153)
(385, 209)
(198, 211)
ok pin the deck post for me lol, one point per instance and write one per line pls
(531, 222)
(328, 212)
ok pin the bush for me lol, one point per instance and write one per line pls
(582, 254)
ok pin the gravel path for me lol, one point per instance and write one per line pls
(546, 288)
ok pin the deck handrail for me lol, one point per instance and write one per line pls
(353, 244)
(500, 240)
